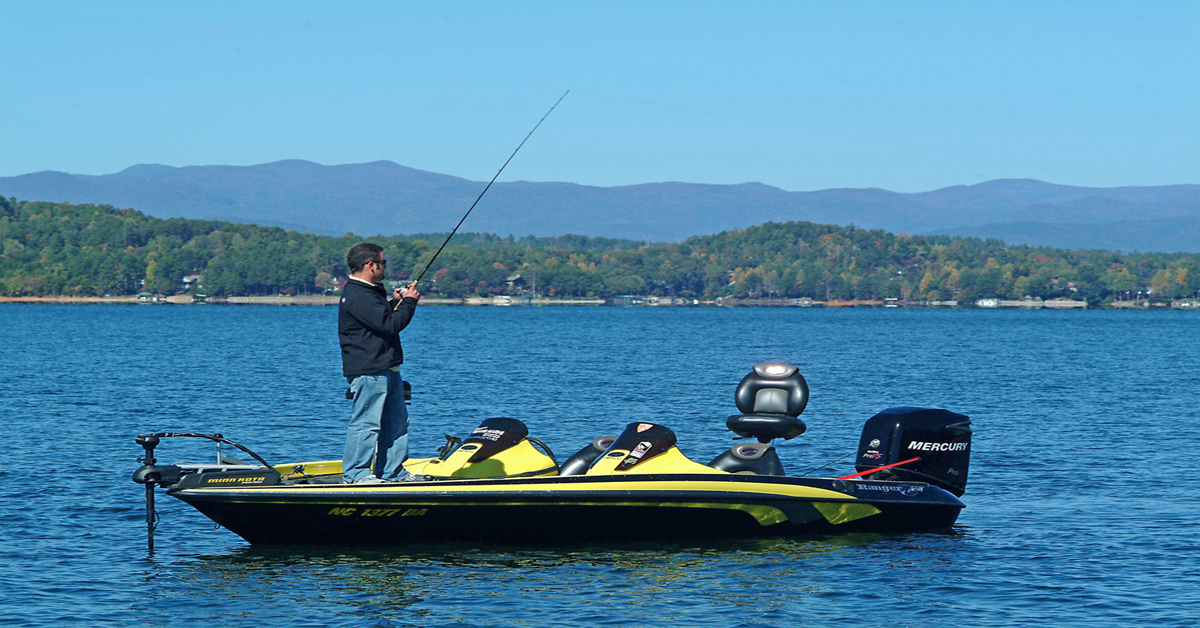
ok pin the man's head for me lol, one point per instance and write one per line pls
(366, 261)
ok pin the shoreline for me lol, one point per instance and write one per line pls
(288, 300)
(505, 301)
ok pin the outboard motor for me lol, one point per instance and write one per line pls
(941, 439)
(771, 398)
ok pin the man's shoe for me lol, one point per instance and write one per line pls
(409, 477)
(368, 479)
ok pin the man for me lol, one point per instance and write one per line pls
(368, 330)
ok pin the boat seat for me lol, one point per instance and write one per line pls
(766, 427)
(752, 458)
(771, 398)
(582, 460)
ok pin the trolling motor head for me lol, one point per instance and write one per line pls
(148, 442)
(149, 473)
(771, 398)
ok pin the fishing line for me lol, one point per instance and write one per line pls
(489, 185)
(858, 137)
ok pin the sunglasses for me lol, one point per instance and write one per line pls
(381, 263)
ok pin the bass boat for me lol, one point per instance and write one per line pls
(498, 483)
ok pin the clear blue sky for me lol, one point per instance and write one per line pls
(907, 96)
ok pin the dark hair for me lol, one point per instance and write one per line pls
(360, 254)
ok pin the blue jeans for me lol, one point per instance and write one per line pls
(378, 428)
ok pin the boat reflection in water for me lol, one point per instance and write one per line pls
(784, 579)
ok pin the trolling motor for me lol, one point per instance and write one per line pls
(152, 474)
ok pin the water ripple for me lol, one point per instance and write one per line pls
(1076, 512)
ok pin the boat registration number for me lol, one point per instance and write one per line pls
(377, 512)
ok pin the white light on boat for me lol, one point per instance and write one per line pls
(776, 369)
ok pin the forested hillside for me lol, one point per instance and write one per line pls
(59, 249)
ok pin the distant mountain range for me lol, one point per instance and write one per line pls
(386, 198)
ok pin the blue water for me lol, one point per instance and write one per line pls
(1081, 506)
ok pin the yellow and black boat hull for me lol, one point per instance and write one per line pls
(561, 508)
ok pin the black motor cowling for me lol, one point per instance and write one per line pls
(940, 438)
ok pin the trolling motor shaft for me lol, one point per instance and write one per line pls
(151, 474)
(142, 476)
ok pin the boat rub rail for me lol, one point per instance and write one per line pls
(642, 487)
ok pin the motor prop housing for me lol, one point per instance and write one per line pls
(940, 438)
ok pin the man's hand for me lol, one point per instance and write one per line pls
(409, 291)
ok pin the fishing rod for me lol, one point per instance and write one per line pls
(489, 185)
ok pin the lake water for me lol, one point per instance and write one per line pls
(1079, 507)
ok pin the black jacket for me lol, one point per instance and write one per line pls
(368, 328)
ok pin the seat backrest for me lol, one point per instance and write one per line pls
(772, 389)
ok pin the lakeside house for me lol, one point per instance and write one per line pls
(190, 281)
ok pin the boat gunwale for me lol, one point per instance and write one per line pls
(539, 489)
